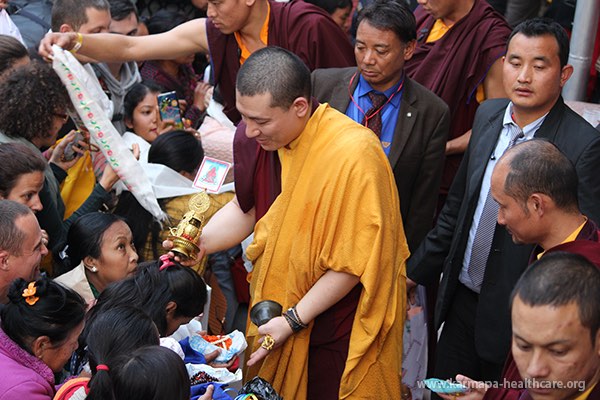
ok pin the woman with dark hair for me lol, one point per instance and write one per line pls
(21, 175)
(177, 74)
(101, 248)
(151, 373)
(34, 106)
(110, 334)
(12, 55)
(141, 116)
(168, 292)
(40, 326)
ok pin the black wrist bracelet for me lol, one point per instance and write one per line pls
(295, 327)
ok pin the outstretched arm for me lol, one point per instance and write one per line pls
(185, 39)
(228, 227)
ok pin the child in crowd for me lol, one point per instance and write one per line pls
(140, 112)
(110, 334)
(152, 373)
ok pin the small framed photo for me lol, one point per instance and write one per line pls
(211, 174)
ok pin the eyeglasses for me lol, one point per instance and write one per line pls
(63, 117)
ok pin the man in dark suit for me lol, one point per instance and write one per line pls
(413, 122)
(478, 260)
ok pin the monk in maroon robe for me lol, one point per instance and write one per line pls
(302, 28)
(586, 244)
(455, 65)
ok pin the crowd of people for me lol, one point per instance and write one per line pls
(408, 185)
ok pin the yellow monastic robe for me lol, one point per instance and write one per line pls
(338, 210)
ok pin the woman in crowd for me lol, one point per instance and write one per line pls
(34, 106)
(12, 55)
(170, 293)
(40, 326)
(177, 74)
(140, 112)
(21, 175)
(110, 334)
(100, 251)
(151, 373)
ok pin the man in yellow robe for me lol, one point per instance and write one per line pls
(334, 230)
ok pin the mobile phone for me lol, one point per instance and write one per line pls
(444, 387)
(69, 153)
(168, 106)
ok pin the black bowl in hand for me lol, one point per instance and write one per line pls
(263, 311)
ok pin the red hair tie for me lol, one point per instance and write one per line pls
(102, 367)
(166, 262)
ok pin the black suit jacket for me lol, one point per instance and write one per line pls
(443, 249)
(417, 150)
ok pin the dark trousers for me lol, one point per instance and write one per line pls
(455, 353)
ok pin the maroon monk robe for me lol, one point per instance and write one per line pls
(594, 394)
(455, 65)
(302, 28)
(586, 244)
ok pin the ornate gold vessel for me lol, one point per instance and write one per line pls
(186, 235)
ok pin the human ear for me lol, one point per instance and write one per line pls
(171, 308)
(409, 49)
(565, 74)
(65, 28)
(4, 260)
(301, 106)
(40, 345)
(539, 203)
(90, 264)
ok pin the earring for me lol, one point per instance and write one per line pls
(92, 268)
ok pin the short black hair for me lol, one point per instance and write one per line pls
(74, 12)
(394, 16)
(121, 9)
(165, 20)
(178, 150)
(559, 279)
(538, 166)
(330, 5)
(276, 71)
(541, 27)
